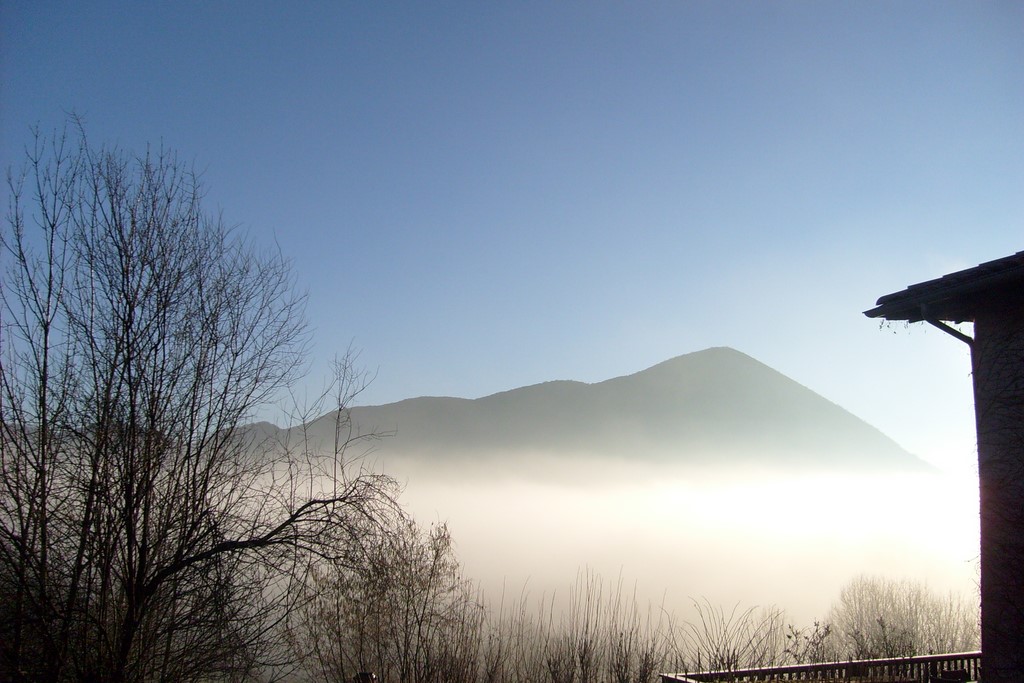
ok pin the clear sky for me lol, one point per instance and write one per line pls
(481, 196)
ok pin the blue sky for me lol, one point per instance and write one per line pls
(485, 195)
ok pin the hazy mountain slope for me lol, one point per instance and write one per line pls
(717, 405)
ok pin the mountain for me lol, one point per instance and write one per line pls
(716, 406)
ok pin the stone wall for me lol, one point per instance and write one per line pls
(998, 368)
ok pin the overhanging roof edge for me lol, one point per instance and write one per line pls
(952, 297)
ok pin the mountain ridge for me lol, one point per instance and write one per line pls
(715, 406)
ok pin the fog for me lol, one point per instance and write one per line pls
(709, 476)
(675, 534)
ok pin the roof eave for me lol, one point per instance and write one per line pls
(955, 297)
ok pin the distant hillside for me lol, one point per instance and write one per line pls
(716, 406)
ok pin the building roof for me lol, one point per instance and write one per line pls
(956, 297)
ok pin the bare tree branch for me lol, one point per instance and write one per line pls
(144, 532)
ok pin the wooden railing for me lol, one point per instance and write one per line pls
(959, 666)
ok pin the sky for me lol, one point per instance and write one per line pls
(481, 196)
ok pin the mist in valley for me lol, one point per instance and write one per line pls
(707, 477)
(748, 537)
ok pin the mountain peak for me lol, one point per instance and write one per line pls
(717, 406)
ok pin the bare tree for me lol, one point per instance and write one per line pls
(143, 534)
(403, 611)
(878, 617)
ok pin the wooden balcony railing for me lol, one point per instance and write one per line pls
(962, 666)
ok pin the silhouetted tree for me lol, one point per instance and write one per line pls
(143, 534)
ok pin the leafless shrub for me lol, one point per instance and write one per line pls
(637, 646)
(811, 645)
(737, 639)
(400, 609)
(877, 617)
(600, 634)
